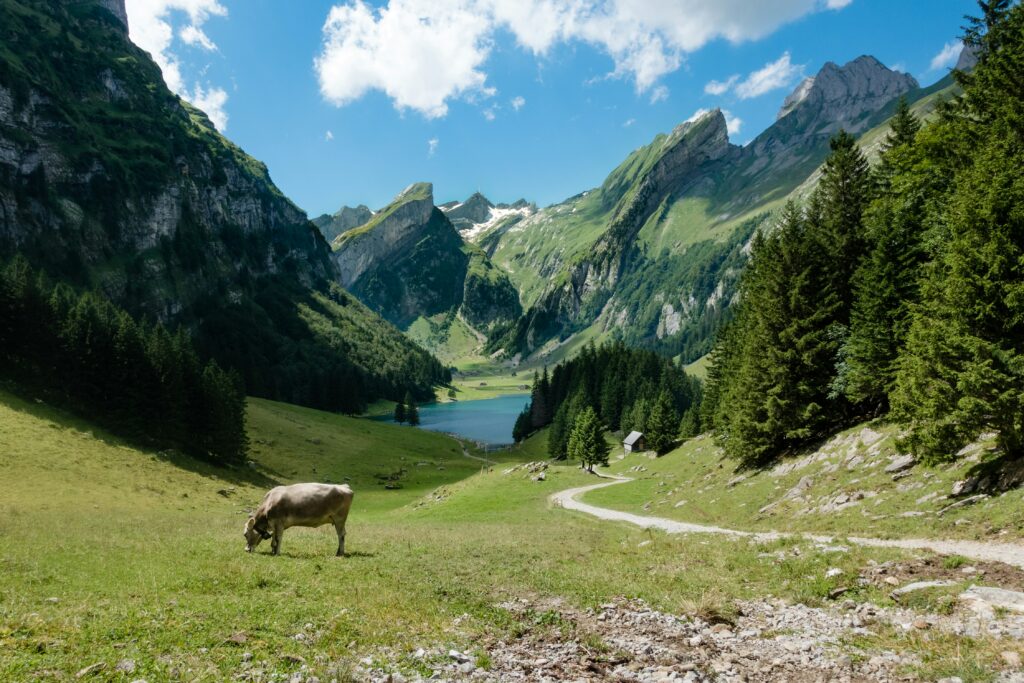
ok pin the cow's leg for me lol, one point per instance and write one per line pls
(275, 542)
(339, 526)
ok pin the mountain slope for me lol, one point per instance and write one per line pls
(409, 263)
(110, 181)
(345, 218)
(661, 271)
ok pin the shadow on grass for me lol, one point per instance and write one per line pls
(19, 400)
(993, 475)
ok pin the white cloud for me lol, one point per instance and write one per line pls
(420, 53)
(212, 101)
(149, 25)
(518, 102)
(425, 53)
(193, 35)
(697, 114)
(837, 4)
(721, 87)
(432, 144)
(328, 136)
(628, 123)
(732, 123)
(947, 55)
(490, 114)
(659, 94)
(774, 75)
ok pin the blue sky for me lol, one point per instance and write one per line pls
(515, 98)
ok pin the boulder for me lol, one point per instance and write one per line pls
(899, 464)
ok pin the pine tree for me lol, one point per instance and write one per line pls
(586, 442)
(662, 425)
(689, 425)
(540, 411)
(522, 427)
(400, 414)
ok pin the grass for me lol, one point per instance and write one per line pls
(143, 553)
(695, 483)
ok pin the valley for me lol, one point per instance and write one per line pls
(153, 582)
(737, 413)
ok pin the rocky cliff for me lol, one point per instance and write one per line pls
(342, 220)
(409, 262)
(110, 181)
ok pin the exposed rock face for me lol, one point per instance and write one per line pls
(840, 96)
(116, 8)
(476, 209)
(409, 262)
(393, 229)
(344, 219)
(968, 58)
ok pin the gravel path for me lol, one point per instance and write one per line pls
(1008, 553)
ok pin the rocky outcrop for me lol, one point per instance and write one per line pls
(409, 262)
(464, 215)
(392, 230)
(840, 96)
(116, 7)
(344, 219)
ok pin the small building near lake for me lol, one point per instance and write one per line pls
(633, 442)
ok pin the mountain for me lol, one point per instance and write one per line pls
(411, 265)
(109, 181)
(653, 254)
(478, 215)
(345, 218)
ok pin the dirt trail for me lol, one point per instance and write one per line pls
(1008, 553)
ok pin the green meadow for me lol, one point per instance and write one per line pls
(112, 553)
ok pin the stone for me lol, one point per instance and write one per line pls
(994, 598)
(899, 464)
(921, 624)
(891, 580)
(125, 666)
(917, 586)
(970, 500)
(1011, 658)
(91, 670)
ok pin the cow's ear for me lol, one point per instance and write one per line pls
(250, 524)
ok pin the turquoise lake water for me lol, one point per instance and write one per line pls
(488, 421)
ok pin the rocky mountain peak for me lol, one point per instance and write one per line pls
(843, 94)
(116, 7)
(968, 58)
(476, 209)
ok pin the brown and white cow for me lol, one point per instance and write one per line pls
(309, 505)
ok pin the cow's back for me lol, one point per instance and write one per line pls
(309, 501)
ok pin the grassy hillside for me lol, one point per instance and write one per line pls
(695, 483)
(115, 557)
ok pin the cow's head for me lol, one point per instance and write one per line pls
(253, 535)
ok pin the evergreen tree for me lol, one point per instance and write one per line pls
(662, 425)
(540, 410)
(400, 414)
(689, 425)
(523, 425)
(413, 415)
(586, 442)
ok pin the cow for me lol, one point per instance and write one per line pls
(309, 505)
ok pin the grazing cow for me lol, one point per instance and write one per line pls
(309, 505)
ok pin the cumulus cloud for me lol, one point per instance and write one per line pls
(778, 74)
(837, 4)
(947, 55)
(732, 123)
(149, 26)
(659, 94)
(432, 144)
(518, 102)
(425, 53)
(721, 87)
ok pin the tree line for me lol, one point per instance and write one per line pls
(615, 388)
(897, 289)
(138, 380)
